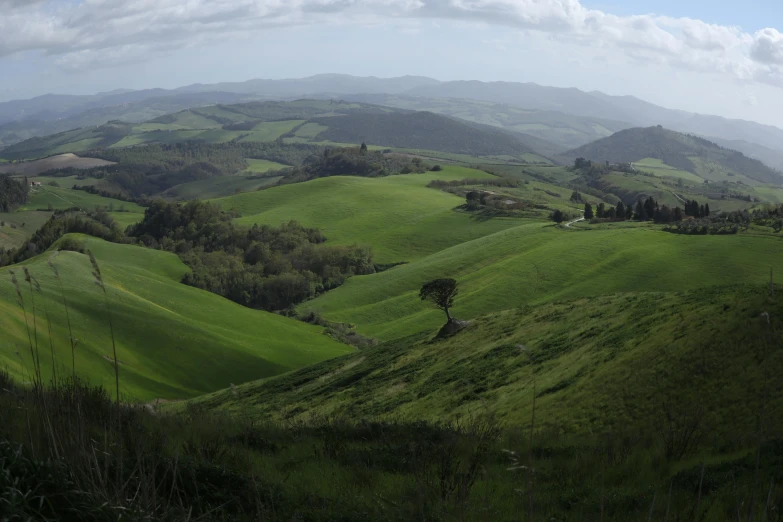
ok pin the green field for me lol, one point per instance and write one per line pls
(63, 198)
(398, 216)
(261, 165)
(536, 263)
(26, 223)
(125, 219)
(659, 168)
(173, 341)
(271, 130)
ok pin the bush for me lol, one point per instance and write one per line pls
(71, 244)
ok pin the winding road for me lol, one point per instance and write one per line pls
(568, 225)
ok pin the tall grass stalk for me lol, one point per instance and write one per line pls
(20, 302)
(48, 327)
(99, 281)
(67, 313)
(37, 361)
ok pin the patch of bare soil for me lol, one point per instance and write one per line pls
(61, 161)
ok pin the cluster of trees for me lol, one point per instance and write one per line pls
(647, 210)
(488, 182)
(692, 208)
(771, 216)
(12, 193)
(592, 169)
(151, 169)
(352, 162)
(479, 199)
(725, 223)
(271, 268)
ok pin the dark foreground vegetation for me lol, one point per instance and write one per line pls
(67, 452)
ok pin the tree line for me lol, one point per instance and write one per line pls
(644, 210)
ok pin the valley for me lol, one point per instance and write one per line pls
(239, 289)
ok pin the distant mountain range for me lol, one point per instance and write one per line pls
(565, 117)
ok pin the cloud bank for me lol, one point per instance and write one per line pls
(103, 33)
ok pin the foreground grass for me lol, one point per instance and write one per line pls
(173, 341)
(69, 453)
(594, 364)
(538, 263)
(647, 407)
(398, 216)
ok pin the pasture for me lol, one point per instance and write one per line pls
(538, 263)
(173, 341)
(398, 216)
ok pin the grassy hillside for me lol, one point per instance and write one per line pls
(40, 198)
(536, 263)
(597, 364)
(423, 130)
(398, 216)
(18, 227)
(687, 153)
(173, 341)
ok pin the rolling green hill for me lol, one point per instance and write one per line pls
(398, 216)
(538, 263)
(565, 131)
(303, 121)
(703, 158)
(173, 341)
(594, 365)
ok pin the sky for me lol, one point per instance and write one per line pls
(707, 56)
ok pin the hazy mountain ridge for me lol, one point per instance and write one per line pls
(66, 110)
(685, 152)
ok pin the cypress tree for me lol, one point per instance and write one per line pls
(589, 211)
(620, 213)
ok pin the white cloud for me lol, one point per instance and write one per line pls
(101, 33)
(768, 47)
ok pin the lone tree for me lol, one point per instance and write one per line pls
(558, 216)
(363, 148)
(441, 292)
(589, 211)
